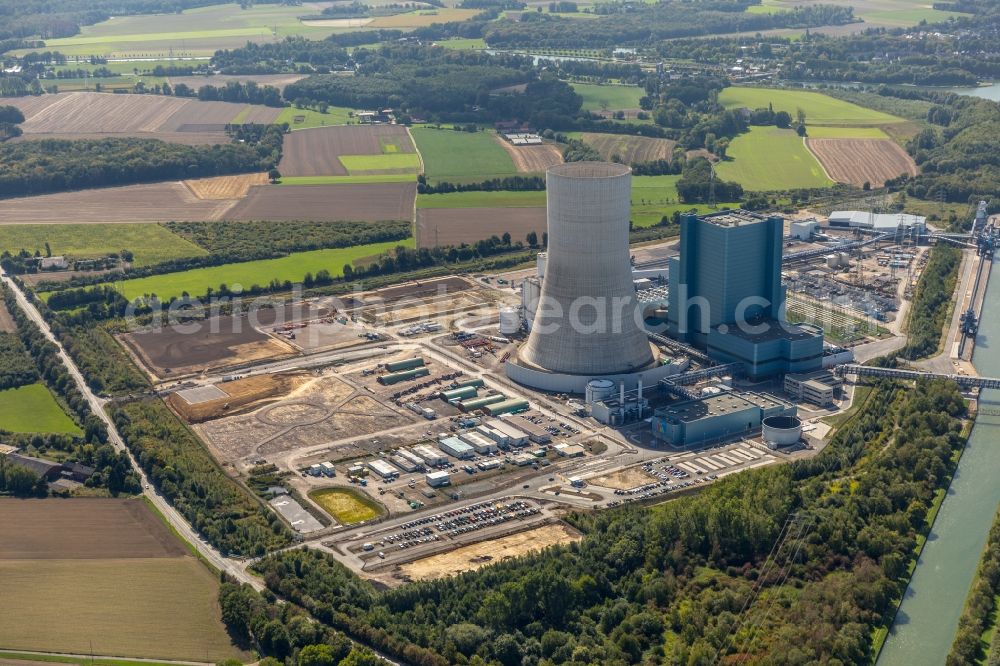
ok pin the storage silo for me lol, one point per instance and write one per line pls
(586, 322)
(510, 320)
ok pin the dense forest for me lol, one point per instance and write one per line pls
(672, 583)
(52, 165)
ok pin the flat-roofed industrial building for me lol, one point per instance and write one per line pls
(535, 432)
(515, 436)
(820, 388)
(430, 455)
(455, 447)
(715, 417)
(383, 468)
(482, 444)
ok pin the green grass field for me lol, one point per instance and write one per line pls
(32, 408)
(360, 164)
(768, 158)
(654, 197)
(459, 44)
(195, 32)
(819, 108)
(150, 243)
(878, 13)
(293, 267)
(347, 505)
(335, 115)
(612, 98)
(334, 180)
(461, 156)
(482, 200)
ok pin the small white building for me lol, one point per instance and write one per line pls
(412, 457)
(482, 444)
(438, 479)
(515, 436)
(431, 456)
(494, 434)
(456, 448)
(803, 229)
(383, 468)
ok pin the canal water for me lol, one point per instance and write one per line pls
(928, 617)
(986, 92)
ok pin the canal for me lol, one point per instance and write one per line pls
(928, 617)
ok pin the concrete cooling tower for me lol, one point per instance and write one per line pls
(585, 324)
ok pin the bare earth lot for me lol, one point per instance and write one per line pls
(225, 187)
(159, 202)
(631, 149)
(91, 114)
(531, 159)
(314, 152)
(857, 161)
(104, 575)
(478, 555)
(452, 226)
(624, 479)
(372, 202)
(240, 396)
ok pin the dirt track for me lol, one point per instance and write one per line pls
(315, 152)
(452, 226)
(368, 202)
(532, 159)
(860, 161)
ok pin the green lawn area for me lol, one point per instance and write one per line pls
(150, 243)
(768, 158)
(335, 115)
(910, 17)
(461, 156)
(459, 44)
(388, 161)
(335, 180)
(597, 97)
(820, 109)
(828, 132)
(347, 505)
(32, 408)
(197, 32)
(293, 267)
(482, 200)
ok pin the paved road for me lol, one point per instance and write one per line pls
(96, 404)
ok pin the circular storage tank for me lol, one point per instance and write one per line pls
(510, 321)
(782, 430)
(599, 389)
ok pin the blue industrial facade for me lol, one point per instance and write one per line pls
(726, 295)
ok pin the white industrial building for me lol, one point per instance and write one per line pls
(535, 433)
(494, 434)
(803, 229)
(437, 479)
(404, 464)
(883, 222)
(383, 469)
(430, 455)
(515, 436)
(412, 457)
(456, 448)
(482, 444)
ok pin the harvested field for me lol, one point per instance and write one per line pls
(114, 568)
(623, 479)
(174, 351)
(159, 202)
(373, 202)
(83, 529)
(453, 226)
(631, 149)
(241, 395)
(860, 161)
(90, 114)
(7, 324)
(316, 152)
(220, 80)
(532, 159)
(225, 187)
(478, 555)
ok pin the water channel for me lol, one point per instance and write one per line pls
(928, 617)
(986, 92)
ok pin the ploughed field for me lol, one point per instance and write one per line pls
(104, 576)
(532, 159)
(453, 226)
(335, 151)
(365, 201)
(860, 161)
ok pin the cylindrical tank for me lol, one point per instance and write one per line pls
(832, 261)
(531, 291)
(843, 259)
(598, 390)
(586, 322)
(540, 262)
(781, 430)
(510, 321)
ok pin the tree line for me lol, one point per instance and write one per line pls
(931, 302)
(508, 183)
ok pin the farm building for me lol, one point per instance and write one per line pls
(479, 442)
(438, 479)
(455, 447)
(430, 455)
(405, 364)
(536, 433)
(402, 376)
(511, 406)
(383, 469)
(46, 469)
(515, 436)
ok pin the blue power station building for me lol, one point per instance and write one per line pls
(726, 295)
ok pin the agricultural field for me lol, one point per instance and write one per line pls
(608, 97)
(346, 505)
(292, 267)
(655, 197)
(32, 408)
(505, 199)
(158, 202)
(860, 161)
(874, 13)
(461, 156)
(225, 187)
(532, 159)
(820, 109)
(422, 18)
(194, 32)
(348, 180)
(149, 243)
(833, 132)
(630, 149)
(453, 226)
(373, 202)
(460, 44)
(340, 151)
(81, 115)
(130, 587)
(768, 158)
(308, 118)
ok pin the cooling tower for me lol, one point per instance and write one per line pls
(586, 320)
